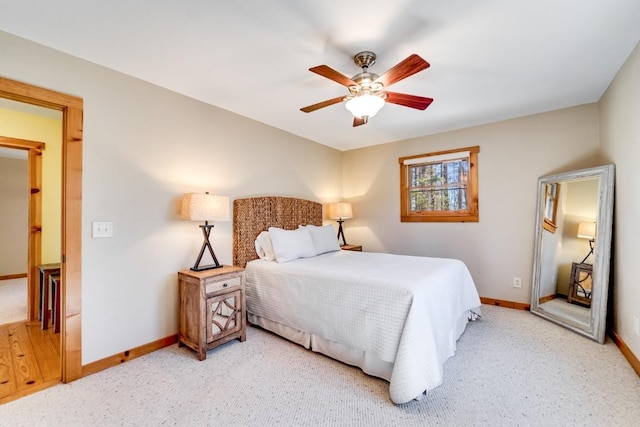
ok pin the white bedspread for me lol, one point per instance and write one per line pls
(402, 309)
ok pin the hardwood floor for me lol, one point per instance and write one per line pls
(29, 359)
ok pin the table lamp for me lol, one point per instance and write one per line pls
(205, 207)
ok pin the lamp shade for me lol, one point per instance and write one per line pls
(205, 207)
(587, 230)
(340, 210)
(364, 105)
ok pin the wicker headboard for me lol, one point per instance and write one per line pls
(256, 214)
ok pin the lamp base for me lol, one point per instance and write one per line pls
(341, 233)
(590, 251)
(206, 231)
(205, 267)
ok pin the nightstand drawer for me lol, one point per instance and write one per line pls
(223, 284)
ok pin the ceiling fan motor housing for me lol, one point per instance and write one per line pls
(365, 80)
(364, 59)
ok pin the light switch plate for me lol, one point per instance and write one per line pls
(101, 229)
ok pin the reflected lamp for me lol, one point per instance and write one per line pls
(587, 230)
(205, 207)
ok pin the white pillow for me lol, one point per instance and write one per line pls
(264, 247)
(291, 244)
(324, 239)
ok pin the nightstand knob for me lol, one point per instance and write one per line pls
(225, 285)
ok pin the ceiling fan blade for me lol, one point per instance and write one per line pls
(412, 101)
(402, 70)
(357, 121)
(322, 104)
(331, 74)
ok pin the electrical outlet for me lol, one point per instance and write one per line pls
(100, 229)
(636, 325)
(517, 282)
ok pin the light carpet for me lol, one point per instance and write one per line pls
(561, 308)
(511, 368)
(13, 300)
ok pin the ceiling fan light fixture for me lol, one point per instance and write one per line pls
(364, 105)
(367, 91)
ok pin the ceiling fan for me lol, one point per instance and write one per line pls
(367, 92)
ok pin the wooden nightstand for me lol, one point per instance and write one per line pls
(580, 285)
(212, 308)
(351, 248)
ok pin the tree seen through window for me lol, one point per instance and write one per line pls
(439, 186)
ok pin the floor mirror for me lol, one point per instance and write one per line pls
(573, 249)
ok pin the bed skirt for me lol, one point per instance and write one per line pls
(367, 362)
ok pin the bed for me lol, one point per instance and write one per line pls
(395, 317)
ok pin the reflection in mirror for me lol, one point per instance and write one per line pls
(572, 249)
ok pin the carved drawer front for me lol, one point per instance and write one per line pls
(222, 284)
(224, 313)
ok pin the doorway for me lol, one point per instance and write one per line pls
(34, 213)
(71, 233)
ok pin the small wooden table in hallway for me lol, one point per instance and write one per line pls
(45, 272)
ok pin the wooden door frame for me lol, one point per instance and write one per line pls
(71, 234)
(34, 245)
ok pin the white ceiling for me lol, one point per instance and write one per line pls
(490, 59)
(13, 153)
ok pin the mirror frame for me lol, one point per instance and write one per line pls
(602, 250)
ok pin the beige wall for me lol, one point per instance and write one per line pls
(513, 154)
(22, 125)
(143, 148)
(14, 220)
(620, 135)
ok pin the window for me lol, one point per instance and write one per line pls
(551, 206)
(440, 187)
